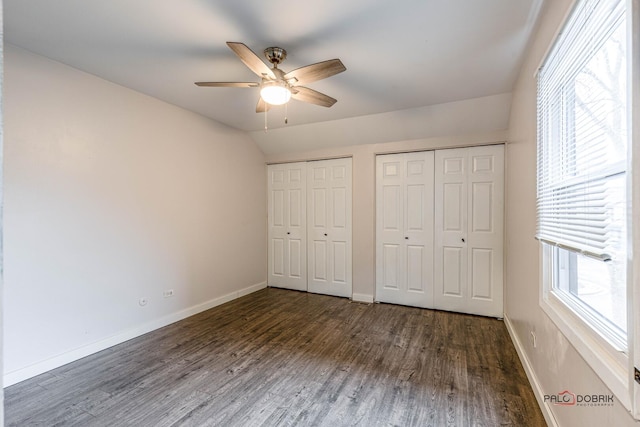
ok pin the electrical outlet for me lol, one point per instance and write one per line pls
(168, 293)
(533, 339)
(143, 302)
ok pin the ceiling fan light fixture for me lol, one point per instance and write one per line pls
(275, 92)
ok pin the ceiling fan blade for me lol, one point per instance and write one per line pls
(227, 84)
(251, 60)
(311, 96)
(314, 72)
(262, 106)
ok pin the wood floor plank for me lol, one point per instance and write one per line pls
(286, 358)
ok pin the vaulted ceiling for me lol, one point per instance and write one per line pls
(400, 54)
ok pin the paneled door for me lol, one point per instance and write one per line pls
(469, 211)
(329, 227)
(287, 231)
(404, 228)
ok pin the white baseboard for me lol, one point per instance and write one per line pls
(38, 368)
(362, 298)
(533, 379)
(250, 289)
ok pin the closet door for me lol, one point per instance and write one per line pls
(329, 227)
(469, 211)
(404, 228)
(287, 230)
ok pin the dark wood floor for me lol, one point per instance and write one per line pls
(288, 358)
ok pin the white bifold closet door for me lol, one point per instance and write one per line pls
(404, 228)
(309, 226)
(287, 231)
(469, 211)
(329, 227)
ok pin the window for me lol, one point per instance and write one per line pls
(582, 149)
(583, 156)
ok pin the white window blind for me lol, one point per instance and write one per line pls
(582, 136)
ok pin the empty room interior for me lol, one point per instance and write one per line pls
(407, 213)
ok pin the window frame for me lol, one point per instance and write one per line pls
(633, 233)
(609, 363)
(605, 327)
(614, 366)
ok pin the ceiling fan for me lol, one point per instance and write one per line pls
(278, 87)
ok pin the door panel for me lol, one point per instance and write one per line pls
(277, 257)
(391, 166)
(481, 280)
(453, 206)
(277, 212)
(486, 238)
(415, 270)
(451, 271)
(319, 257)
(469, 230)
(319, 207)
(404, 229)
(390, 267)
(415, 207)
(296, 208)
(454, 165)
(451, 226)
(391, 211)
(287, 226)
(481, 213)
(339, 208)
(295, 261)
(340, 262)
(329, 231)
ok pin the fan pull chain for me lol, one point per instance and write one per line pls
(265, 121)
(286, 112)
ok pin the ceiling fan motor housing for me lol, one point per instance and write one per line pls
(275, 55)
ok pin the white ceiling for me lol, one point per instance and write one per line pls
(399, 54)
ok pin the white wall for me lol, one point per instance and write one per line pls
(455, 124)
(468, 116)
(555, 364)
(112, 196)
(364, 190)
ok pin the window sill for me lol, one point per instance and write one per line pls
(611, 365)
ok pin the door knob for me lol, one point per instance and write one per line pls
(462, 240)
(325, 234)
(288, 232)
(406, 238)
